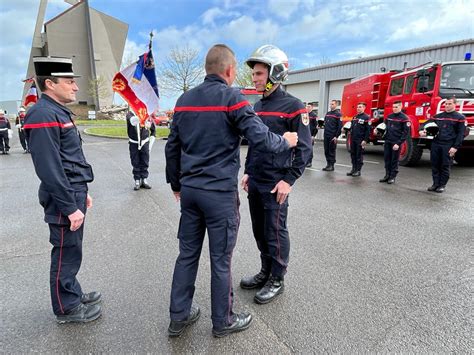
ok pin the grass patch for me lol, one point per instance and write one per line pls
(121, 132)
(99, 122)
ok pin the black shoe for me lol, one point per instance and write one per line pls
(432, 188)
(83, 313)
(91, 298)
(328, 167)
(356, 173)
(25, 151)
(384, 179)
(255, 281)
(391, 181)
(241, 322)
(440, 189)
(137, 185)
(145, 184)
(176, 328)
(309, 165)
(272, 288)
(350, 173)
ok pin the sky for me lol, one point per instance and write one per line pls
(311, 32)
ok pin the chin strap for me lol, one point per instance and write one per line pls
(268, 86)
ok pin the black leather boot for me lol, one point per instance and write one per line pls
(240, 322)
(137, 185)
(329, 167)
(384, 179)
(255, 281)
(91, 297)
(176, 328)
(432, 188)
(350, 172)
(83, 313)
(145, 184)
(272, 288)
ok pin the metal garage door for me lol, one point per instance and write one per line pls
(335, 89)
(306, 92)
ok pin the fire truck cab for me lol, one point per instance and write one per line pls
(422, 91)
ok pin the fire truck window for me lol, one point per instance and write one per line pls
(396, 87)
(431, 80)
(409, 84)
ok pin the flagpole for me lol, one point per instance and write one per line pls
(151, 38)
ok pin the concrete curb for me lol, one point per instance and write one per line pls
(86, 131)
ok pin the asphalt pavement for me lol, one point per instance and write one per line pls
(373, 267)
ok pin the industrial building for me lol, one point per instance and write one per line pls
(323, 83)
(94, 40)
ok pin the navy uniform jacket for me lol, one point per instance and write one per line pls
(451, 128)
(56, 150)
(332, 124)
(203, 148)
(398, 127)
(313, 123)
(144, 132)
(20, 121)
(4, 123)
(360, 129)
(281, 112)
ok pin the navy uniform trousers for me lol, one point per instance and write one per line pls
(440, 163)
(140, 160)
(218, 213)
(330, 150)
(357, 156)
(66, 254)
(390, 158)
(269, 229)
(4, 141)
(21, 134)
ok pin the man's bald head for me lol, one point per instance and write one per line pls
(219, 58)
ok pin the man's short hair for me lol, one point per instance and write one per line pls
(41, 81)
(338, 102)
(219, 58)
(452, 98)
(397, 102)
(362, 103)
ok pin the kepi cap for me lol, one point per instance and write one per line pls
(54, 66)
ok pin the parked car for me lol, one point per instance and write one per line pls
(161, 119)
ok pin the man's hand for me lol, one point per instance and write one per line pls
(452, 151)
(363, 144)
(177, 195)
(291, 138)
(76, 219)
(245, 182)
(282, 189)
(89, 201)
(422, 133)
(396, 147)
(334, 140)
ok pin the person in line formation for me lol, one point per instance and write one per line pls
(20, 123)
(360, 131)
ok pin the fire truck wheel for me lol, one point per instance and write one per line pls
(463, 157)
(410, 153)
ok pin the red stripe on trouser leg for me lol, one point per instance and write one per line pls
(59, 271)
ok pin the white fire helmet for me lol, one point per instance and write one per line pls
(431, 129)
(321, 122)
(380, 129)
(22, 109)
(275, 59)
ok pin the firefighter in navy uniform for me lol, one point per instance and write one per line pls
(4, 128)
(397, 128)
(202, 163)
(20, 122)
(269, 177)
(140, 148)
(313, 128)
(451, 125)
(360, 131)
(56, 150)
(332, 130)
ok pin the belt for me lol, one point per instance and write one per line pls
(142, 142)
(3, 129)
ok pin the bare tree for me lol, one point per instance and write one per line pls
(182, 70)
(324, 60)
(98, 88)
(244, 76)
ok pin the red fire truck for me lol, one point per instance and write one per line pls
(423, 91)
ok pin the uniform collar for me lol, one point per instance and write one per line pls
(62, 107)
(214, 77)
(275, 94)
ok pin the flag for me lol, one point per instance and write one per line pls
(137, 85)
(31, 95)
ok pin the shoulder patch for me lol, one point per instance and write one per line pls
(408, 124)
(305, 119)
